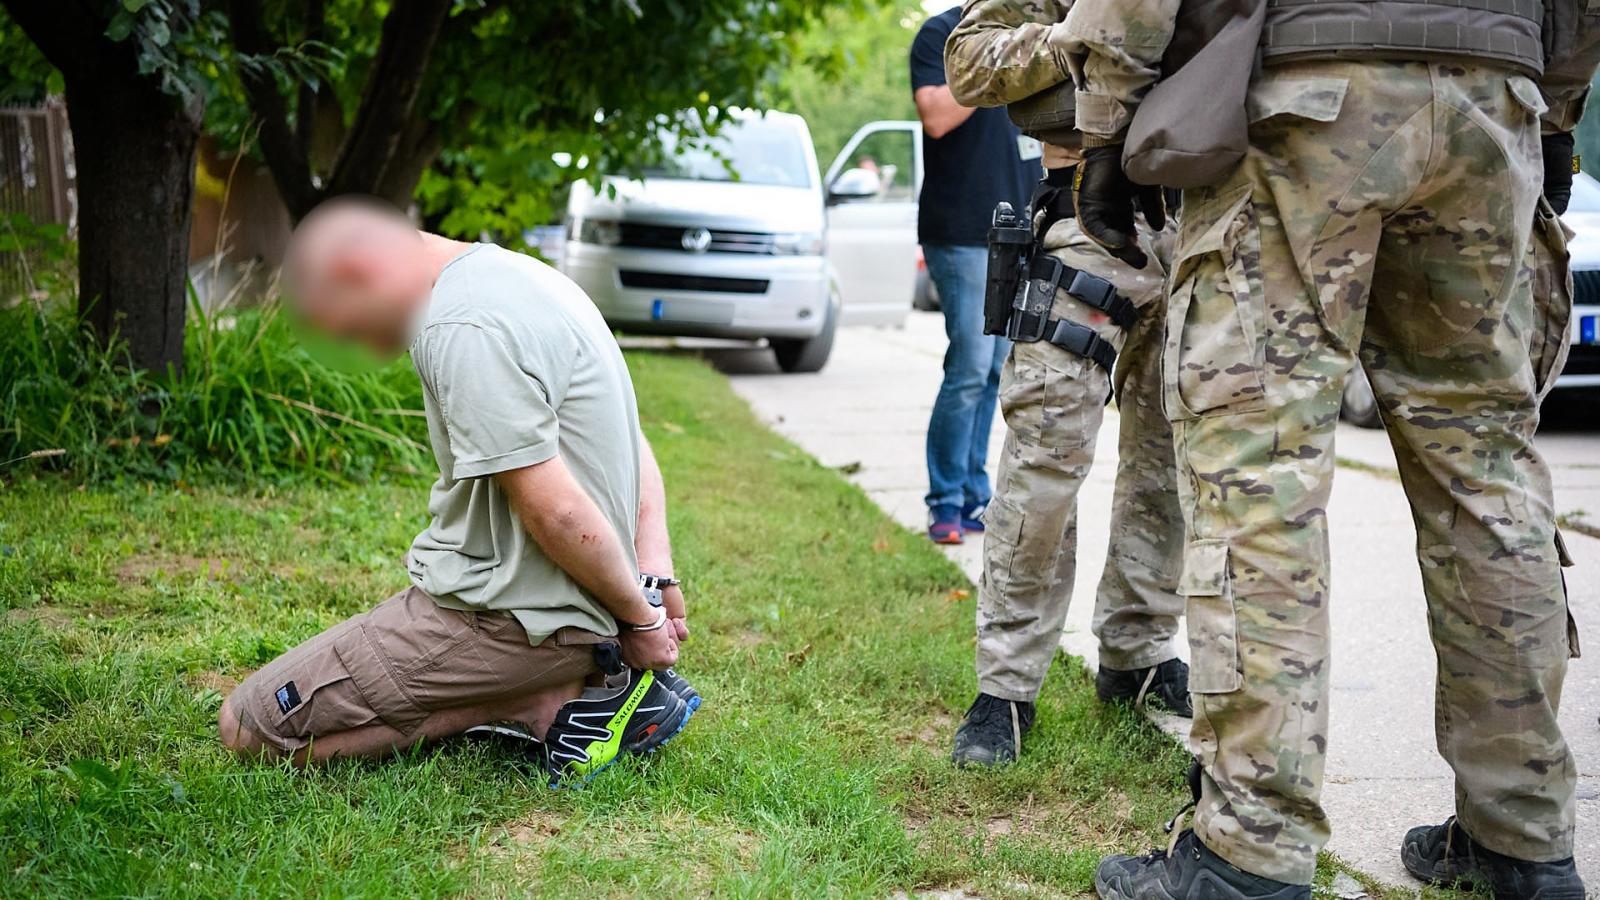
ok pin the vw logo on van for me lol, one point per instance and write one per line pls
(696, 240)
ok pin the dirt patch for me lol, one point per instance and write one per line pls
(212, 680)
(1034, 817)
(52, 617)
(936, 732)
(141, 569)
(530, 832)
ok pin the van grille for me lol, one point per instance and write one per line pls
(670, 237)
(671, 281)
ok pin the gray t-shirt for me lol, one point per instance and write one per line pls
(516, 365)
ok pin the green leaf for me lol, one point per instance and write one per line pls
(120, 27)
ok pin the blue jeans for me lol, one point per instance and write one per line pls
(958, 432)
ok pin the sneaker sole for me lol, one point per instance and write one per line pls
(948, 540)
(655, 741)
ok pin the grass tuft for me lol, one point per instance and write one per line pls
(255, 398)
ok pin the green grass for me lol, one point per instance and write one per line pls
(834, 649)
(257, 398)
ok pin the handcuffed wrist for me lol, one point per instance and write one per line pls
(657, 625)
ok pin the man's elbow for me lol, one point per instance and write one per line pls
(938, 123)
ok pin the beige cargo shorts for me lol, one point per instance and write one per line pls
(398, 663)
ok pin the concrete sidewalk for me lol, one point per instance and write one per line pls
(869, 408)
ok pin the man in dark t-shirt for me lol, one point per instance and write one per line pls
(973, 159)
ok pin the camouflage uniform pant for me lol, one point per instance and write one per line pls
(1053, 402)
(1385, 207)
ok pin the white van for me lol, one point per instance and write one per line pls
(740, 240)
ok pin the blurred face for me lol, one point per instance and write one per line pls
(360, 276)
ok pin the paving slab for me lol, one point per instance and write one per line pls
(868, 411)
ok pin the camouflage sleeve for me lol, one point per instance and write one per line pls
(1114, 48)
(1572, 52)
(1000, 52)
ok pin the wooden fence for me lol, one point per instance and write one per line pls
(37, 187)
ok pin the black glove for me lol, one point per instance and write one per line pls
(1558, 170)
(1052, 199)
(1106, 199)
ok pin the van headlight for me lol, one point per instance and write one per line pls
(798, 243)
(600, 231)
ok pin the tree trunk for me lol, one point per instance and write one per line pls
(135, 152)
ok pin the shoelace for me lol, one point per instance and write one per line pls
(989, 723)
(1144, 689)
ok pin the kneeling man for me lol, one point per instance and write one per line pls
(526, 589)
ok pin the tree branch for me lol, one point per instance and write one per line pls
(68, 32)
(306, 106)
(284, 152)
(390, 97)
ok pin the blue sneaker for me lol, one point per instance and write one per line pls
(972, 517)
(944, 525)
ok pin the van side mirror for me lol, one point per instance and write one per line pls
(853, 184)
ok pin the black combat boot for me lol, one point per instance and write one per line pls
(991, 734)
(1165, 686)
(1188, 871)
(1446, 855)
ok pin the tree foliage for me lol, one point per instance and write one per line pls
(855, 69)
(469, 99)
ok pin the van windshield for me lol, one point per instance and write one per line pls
(752, 151)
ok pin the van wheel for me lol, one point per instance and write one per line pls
(1360, 406)
(808, 354)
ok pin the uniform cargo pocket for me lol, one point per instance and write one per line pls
(1574, 649)
(1003, 529)
(1527, 95)
(1043, 396)
(1317, 99)
(1214, 666)
(1215, 349)
(1550, 336)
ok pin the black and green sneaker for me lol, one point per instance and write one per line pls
(589, 733)
(680, 686)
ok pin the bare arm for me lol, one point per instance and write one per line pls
(571, 530)
(939, 111)
(651, 542)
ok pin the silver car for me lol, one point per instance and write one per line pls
(736, 237)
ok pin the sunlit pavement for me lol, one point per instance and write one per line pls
(867, 411)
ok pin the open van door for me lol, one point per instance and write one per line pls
(871, 191)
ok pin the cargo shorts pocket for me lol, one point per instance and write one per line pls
(307, 692)
(1214, 665)
(1214, 353)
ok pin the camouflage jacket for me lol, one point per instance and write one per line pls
(1114, 48)
(1001, 51)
